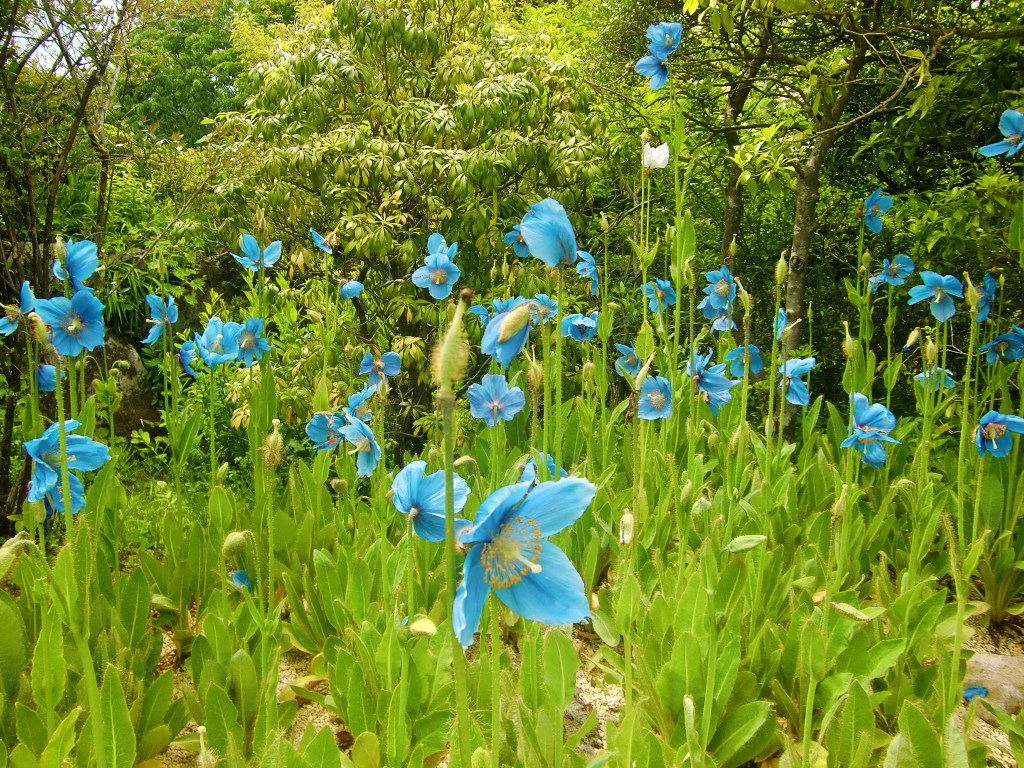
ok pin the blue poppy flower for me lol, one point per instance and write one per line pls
(350, 289)
(872, 424)
(357, 406)
(253, 259)
(76, 323)
(80, 262)
(161, 314)
(664, 38)
(744, 357)
(1007, 347)
(935, 378)
(653, 67)
(366, 449)
(629, 362)
(721, 288)
(186, 356)
(422, 496)
(986, 293)
(661, 294)
(548, 233)
(379, 370)
(655, 399)
(84, 454)
(587, 267)
(240, 580)
(1011, 125)
(938, 289)
(438, 274)
(324, 429)
(793, 386)
(251, 342)
(492, 399)
(780, 324)
(318, 241)
(893, 272)
(529, 473)
(993, 433)
(974, 691)
(509, 554)
(542, 308)
(580, 327)
(219, 342)
(54, 499)
(481, 314)
(709, 382)
(437, 244)
(720, 319)
(506, 333)
(46, 377)
(874, 207)
(515, 238)
(506, 305)
(26, 304)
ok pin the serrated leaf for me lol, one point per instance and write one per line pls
(117, 732)
(560, 665)
(744, 543)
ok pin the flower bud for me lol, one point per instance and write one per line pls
(514, 322)
(688, 277)
(605, 224)
(733, 248)
(452, 354)
(931, 352)
(781, 269)
(338, 485)
(971, 294)
(849, 343)
(234, 543)
(535, 375)
(865, 260)
(626, 526)
(912, 339)
(589, 378)
(645, 136)
(745, 299)
(810, 312)
(686, 493)
(273, 447)
(37, 329)
(714, 441)
(839, 507)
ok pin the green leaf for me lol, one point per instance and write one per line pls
(529, 675)
(1017, 228)
(366, 750)
(49, 670)
(30, 729)
(743, 543)
(134, 609)
(955, 752)
(223, 732)
(244, 684)
(743, 735)
(560, 665)
(61, 741)
(65, 588)
(12, 647)
(920, 735)
(118, 734)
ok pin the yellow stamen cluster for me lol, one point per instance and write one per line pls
(512, 553)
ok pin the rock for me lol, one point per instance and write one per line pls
(137, 400)
(1004, 678)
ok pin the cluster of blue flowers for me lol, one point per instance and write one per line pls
(663, 41)
(720, 293)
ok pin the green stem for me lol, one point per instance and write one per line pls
(65, 478)
(495, 683)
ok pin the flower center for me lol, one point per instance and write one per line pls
(1014, 139)
(722, 288)
(659, 293)
(496, 408)
(438, 277)
(512, 553)
(217, 347)
(1002, 346)
(893, 271)
(247, 340)
(413, 512)
(993, 431)
(874, 210)
(656, 399)
(940, 294)
(73, 325)
(668, 40)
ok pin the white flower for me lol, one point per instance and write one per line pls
(655, 157)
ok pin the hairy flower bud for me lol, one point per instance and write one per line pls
(273, 447)
(971, 294)
(781, 269)
(37, 328)
(234, 543)
(338, 485)
(626, 526)
(849, 343)
(745, 299)
(452, 354)
(535, 375)
(605, 224)
(912, 339)
(931, 352)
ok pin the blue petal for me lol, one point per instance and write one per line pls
(548, 233)
(470, 597)
(492, 511)
(553, 596)
(556, 505)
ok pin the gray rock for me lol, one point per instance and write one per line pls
(1004, 678)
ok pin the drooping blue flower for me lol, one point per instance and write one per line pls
(986, 293)
(46, 377)
(661, 294)
(53, 501)
(240, 580)
(422, 496)
(938, 290)
(515, 238)
(664, 38)
(792, 385)
(366, 449)
(993, 433)
(84, 454)
(1006, 346)
(253, 258)
(80, 262)
(379, 370)
(542, 308)
(529, 473)
(1011, 125)
(548, 233)
(780, 324)
(318, 241)
(492, 400)
(437, 244)
(509, 554)
(720, 318)
(708, 382)
(357, 406)
(935, 378)
(653, 67)
(721, 288)
(875, 206)
(350, 289)
(506, 305)
(26, 304)
(740, 358)
(161, 314)
(587, 267)
(655, 399)
(324, 429)
(893, 272)
(76, 323)
(629, 362)
(219, 342)
(506, 333)
(972, 692)
(872, 424)
(251, 342)
(580, 327)
(481, 314)
(438, 274)
(186, 356)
